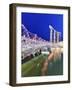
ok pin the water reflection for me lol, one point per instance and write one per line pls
(55, 67)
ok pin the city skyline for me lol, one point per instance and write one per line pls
(39, 24)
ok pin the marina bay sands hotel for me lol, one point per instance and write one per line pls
(54, 35)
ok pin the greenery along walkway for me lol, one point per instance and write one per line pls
(33, 67)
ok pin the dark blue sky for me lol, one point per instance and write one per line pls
(39, 23)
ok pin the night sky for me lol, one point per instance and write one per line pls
(38, 23)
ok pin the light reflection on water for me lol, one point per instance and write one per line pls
(56, 66)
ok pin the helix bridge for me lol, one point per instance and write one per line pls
(32, 43)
